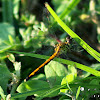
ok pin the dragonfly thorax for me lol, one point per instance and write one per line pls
(63, 47)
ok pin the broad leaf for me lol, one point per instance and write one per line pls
(4, 76)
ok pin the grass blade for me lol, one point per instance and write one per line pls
(68, 62)
(69, 8)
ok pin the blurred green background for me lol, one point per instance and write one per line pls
(27, 26)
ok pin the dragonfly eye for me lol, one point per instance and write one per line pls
(69, 40)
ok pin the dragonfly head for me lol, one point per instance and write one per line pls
(68, 40)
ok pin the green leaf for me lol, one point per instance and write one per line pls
(64, 98)
(71, 75)
(6, 30)
(17, 66)
(43, 91)
(11, 57)
(78, 92)
(39, 77)
(67, 80)
(95, 81)
(2, 93)
(51, 91)
(11, 39)
(3, 56)
(4, 76)
(55, 72)
(5, 48)
(72, 70)
(16, 5)
(37, 86)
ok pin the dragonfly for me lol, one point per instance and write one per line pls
(59, 47)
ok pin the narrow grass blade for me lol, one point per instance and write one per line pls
(78, 92)
(68, 62)
(69, 8)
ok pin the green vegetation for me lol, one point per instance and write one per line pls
(28, 34)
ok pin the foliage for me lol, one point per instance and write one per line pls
(27, 35)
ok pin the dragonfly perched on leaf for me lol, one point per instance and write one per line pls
(61, 47)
